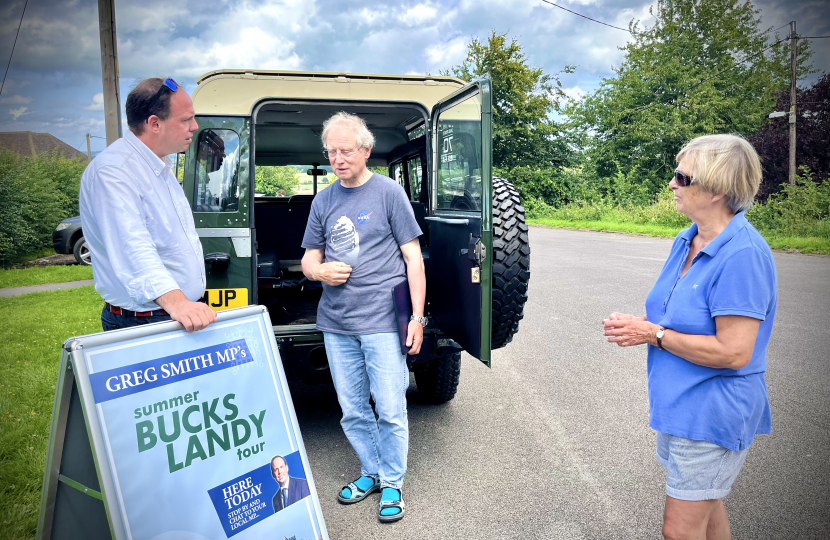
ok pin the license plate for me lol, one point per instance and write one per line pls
(221, 299)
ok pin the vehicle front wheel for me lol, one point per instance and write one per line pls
(81, 252)
(439, 381)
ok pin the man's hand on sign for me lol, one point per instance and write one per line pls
(192, 315)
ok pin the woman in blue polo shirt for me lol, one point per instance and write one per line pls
(708, 323)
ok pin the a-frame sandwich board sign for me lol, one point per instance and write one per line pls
(161, 434)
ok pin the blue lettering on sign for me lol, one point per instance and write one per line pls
(363, 217)
(135, 378)
(245, 500)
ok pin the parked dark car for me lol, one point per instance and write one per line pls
(69, 238)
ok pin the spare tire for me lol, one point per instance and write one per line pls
(511, 262)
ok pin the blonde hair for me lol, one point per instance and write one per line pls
(363, 137)
(725, 164)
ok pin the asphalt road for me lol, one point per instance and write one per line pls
(554, 442)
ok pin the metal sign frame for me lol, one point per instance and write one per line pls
(79, 489)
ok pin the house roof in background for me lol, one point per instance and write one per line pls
(28, 144)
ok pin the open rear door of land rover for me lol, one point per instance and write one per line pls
(217, 183)
(460, 221)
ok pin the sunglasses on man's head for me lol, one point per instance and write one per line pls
(168, 83)
(682, 179)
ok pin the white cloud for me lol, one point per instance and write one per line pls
(245, 36)
(17, 113)
(448, 53)
(576, 93)
(15, 100)
(418, 14)
(97, 103)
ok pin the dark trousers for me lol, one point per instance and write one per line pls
(111, 321)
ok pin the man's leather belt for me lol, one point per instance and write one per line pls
(127, 313)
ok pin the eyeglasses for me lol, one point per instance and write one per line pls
(682, 179)
(170, 84)
(332, 154)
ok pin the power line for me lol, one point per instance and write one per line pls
(13, 46)
(811, 37)
(775, 30)
(644, 107)
(589, 18)
(738, 63)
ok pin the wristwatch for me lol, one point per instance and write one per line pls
(659, 337)
(422, 320)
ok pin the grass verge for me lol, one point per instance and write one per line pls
(789, 243)
(32, 329)
(39, 275)
(633, 228)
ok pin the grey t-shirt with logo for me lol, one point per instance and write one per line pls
(363, 227)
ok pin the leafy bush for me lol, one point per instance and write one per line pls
(797, 210)
(269, 180)
(35, 195)
(554, 187)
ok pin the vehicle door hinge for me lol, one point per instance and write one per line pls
(476, 251)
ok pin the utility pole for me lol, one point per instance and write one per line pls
(793, 78)
(109, 70)
(88, 150)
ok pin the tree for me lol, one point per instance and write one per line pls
(772, 141)
(269, 180)
(524, 97)
(704, 67)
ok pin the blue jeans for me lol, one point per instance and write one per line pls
(111, 321)
(373, 363)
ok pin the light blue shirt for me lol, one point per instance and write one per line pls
(139, 227)
(733, 275)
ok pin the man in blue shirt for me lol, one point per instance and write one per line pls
(146, 256)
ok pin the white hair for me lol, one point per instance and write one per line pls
(363, 137)
(725, 164)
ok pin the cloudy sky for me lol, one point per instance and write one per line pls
(54, 82)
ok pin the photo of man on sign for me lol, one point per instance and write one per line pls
(291, 489)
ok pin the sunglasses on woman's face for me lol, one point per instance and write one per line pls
(682, 179)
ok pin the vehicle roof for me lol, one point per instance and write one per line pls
(237, 91)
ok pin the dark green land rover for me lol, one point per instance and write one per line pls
(433, 136)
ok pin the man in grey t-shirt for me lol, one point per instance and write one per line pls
(364, 228)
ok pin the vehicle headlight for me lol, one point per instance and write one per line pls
(61, 226)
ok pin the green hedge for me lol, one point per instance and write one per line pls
(798, 211)
(36, 193)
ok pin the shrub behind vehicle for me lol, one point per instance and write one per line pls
(36, 193)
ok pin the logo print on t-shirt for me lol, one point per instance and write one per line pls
(363, 217)
(344, 241)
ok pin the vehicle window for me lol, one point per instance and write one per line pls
(458, 141)
(288, 180)
(397, 174)
(415, 172)
(417, 132)
(217, 171)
